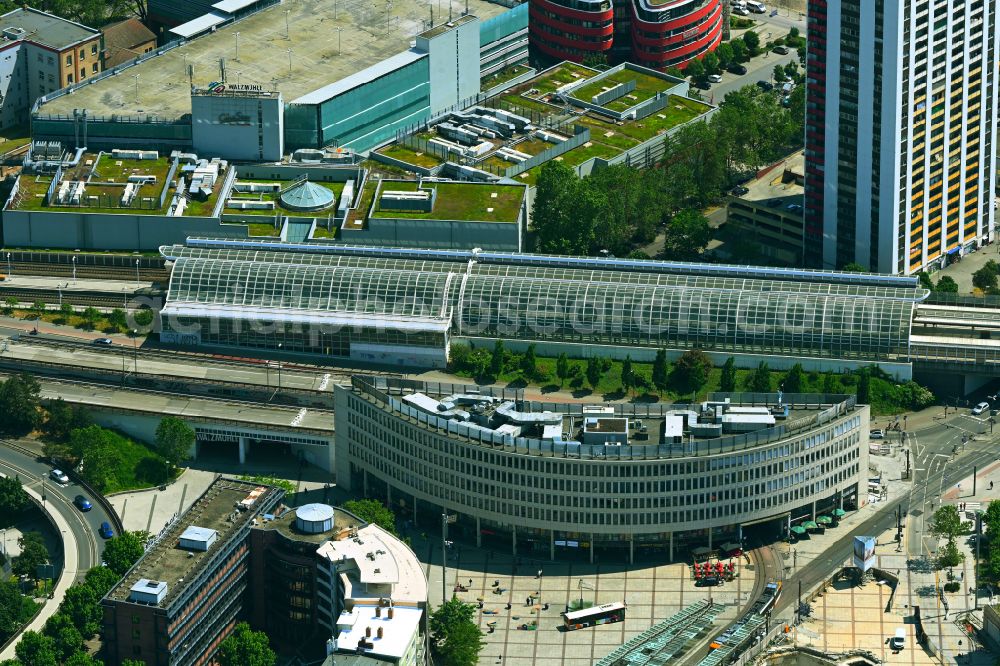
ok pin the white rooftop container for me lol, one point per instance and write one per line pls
(314, 518)
(198, 538)
(148, 591)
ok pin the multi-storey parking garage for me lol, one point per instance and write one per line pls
(647, 492)
(408, 306)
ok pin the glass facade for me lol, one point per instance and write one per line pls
(364, 116)
(411, 297)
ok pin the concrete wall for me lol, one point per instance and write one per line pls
(226, 125)
(448, 234)
(107, 231)
(901, 371)
(327, 173)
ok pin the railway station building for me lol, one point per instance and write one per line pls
(408, 307)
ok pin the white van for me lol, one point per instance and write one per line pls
(756, 7)
(898, 640)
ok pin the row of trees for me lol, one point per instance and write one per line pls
(617, 208)
(93, 13)
(78, 619)
(730, 53)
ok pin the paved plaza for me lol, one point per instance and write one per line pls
(653, 592)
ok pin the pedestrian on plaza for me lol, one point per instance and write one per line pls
(991, 485)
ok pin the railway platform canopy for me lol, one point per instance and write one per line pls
(424, 299)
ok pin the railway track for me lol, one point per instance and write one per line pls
(90, 272)
(337, 373)
(51, 296)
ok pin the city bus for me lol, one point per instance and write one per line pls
(595, 615)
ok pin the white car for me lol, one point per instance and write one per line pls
(58, 476)
(741, 11)
(876, 434)
(980, 408)
(715, 78)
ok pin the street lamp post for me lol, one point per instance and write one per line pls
(237, 35)
(135, 351)
(10, 270)
(74, 266)
(339, 31)
(137, 283)
(279, 366)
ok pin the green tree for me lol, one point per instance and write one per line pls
(794, 380)
(9, 304)
(661, 370)
(752, 41)
(991, 519)
(596, 60)
(985, 278)
(19, 403)
(35, 649)
(947, 523)
(759, 380)
(947, 285)
(91, 316)
(864, 388)
(33, 553)
(372, 511)
(949, 555)
(117, 319)
(925, 280)
(529, 363)
(38, 309)
(452, 641)
(711, 62)
(100, 453)
(687, 235)
(739, 47)
(100, 579)
(727, 382)
(61, 629)
(691, 370)
(793, 33)
(696, 70)
(174, 439)
(143, 318)
(562, 369)
(632, 206)
(81, 658)
(13, 500)
(628, 375)
(854, 267)
(245, 647)
(15, 609)
(124, 550)
(65, 312)
(554, 212)
(82, 605)
(63, 418)
(778, 74)
(498, 359)
(755, 128)
(595, 370)
(725, 54)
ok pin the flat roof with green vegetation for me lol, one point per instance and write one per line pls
(534, 100)
(410, 156)
(468, 202)
(558, 76)
(646, 87)
(503, 76)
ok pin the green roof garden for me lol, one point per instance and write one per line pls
(646, 87)
(468, 202)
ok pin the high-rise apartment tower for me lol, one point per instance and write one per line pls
(900, 131)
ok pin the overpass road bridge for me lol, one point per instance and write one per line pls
(961, 341)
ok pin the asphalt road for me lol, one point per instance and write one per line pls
(83, 526)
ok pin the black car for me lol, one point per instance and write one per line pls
(783, 50)
(765, 85)
(708, 581)
(737, 68)
(739, 190)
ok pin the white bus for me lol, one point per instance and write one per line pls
(595, 615)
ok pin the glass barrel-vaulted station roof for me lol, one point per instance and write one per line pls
(604, 301)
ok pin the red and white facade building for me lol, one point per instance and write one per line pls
(648, 33)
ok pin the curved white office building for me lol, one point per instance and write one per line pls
(560, 480)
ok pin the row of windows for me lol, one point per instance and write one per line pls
(586, 493)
